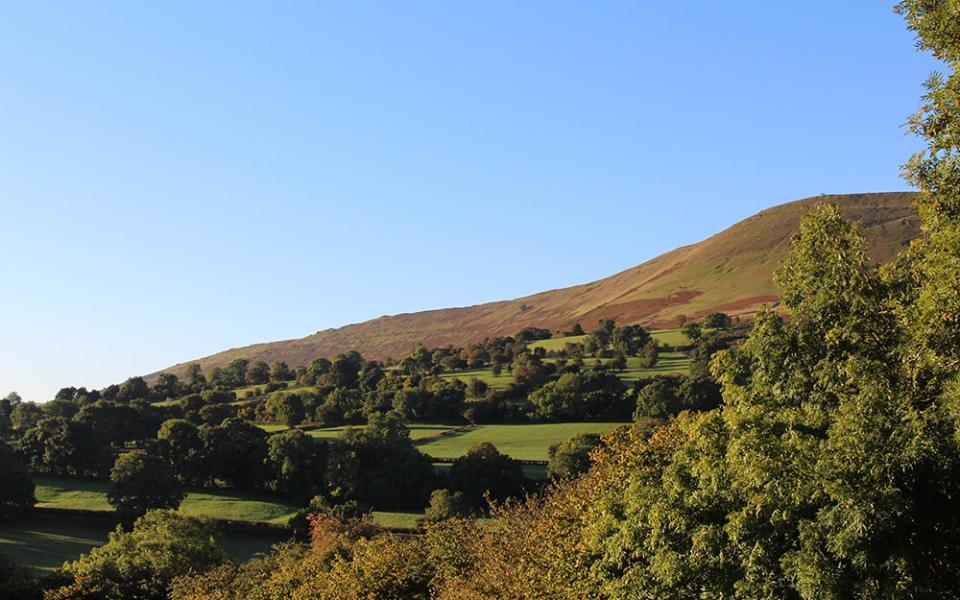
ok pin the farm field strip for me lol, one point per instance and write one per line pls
(527, 441)
(670, 337)
(417, 431)
(44, 544)
(86, 494)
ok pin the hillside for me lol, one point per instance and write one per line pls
(730, 271)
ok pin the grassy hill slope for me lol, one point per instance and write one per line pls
(731, 272)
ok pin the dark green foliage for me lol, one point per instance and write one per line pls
(693, 331)
(195, 377)
(445, 504)
(706, 346)
(60, 408)
(142, 563)
(528, 370)
(658, 399)
(234, 375)
(484, 473)
(717, 320)
(345, 512)
(214, 414)
(650, 354)
(180, 444)
(132, 389)
(279, 371)
(629, 339)
(345, 370)
(285, 409)
(370, 375)
(532, 334)
(234, 453)
(111, 422)
(318, 367)
(572, 458)
(342, 405)
(217, 396)
(59, 446)
(295, 464)
(434, 399)
(167, 386)
(258, 372)
(190, 406)
(18, 582)
(16, 487)
(140, 482)
(378, 465)
(25, 415)
(587, 395)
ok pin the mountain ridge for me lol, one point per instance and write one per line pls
(730, 271)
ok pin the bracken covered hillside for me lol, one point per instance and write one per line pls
(731, 271)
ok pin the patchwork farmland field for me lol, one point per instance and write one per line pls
(44, 543)
(86, 494)
(417, 431)
(523, 441)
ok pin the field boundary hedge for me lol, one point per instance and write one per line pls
(448, 433)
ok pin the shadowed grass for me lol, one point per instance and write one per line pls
(44, 544)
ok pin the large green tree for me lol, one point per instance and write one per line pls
(483, 472)
(140, 482)
(60, 446)
(181, 445)
(829, 473)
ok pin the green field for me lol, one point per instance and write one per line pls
(87, 494)
(417, 431)
(557, 343)
(271, 428)
(167, 402)
(671, 337)
(397, 519)
(44, 544)
(668, 363)
(497, 382)
(523, 442)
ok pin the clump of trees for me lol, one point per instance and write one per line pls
(608, 337)
(143, 562)
(16, 486)
(571, 458)
(578, 396)
(445, 504)
(140, 482)
(484, 475)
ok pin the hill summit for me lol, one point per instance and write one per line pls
(731, 272)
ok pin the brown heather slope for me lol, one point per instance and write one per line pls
(731, 271)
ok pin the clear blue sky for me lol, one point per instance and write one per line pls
(177, 178)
